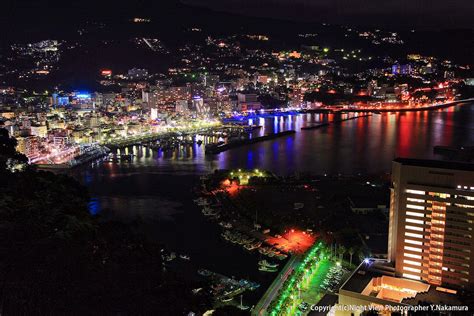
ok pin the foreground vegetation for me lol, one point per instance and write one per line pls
(57, 259)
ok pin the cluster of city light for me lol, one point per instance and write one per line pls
(287, 301)
(57, 155)
(181, 128)
(245, 175)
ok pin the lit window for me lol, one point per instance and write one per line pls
(415, 200)
(411, 269)
(440, 195)
(415, 214)
(463, 205)
(413, 235)
(412, 249)
(413, 242)
(414, 221)
(411, 276)
(415, 192)
(409, 255)
(419, 229)
(415, 207)
(413, 263)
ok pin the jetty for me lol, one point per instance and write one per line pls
(333, 122)
(220, 147)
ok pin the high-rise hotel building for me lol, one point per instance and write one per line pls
(432, 221)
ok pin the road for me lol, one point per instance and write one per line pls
(270, 294)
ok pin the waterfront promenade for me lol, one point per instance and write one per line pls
(272, 291)
(391, 108)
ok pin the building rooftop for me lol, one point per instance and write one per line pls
(362, 276)
(376, 279)
(440, 164)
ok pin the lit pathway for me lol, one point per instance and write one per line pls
(272, 291)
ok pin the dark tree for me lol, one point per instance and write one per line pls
(8, 151)
(57, 259)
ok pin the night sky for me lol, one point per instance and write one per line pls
(405, 13)
(428, 14)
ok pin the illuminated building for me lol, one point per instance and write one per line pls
(40, 130)
(161, 96)
(198, 105)
(82, 100)
(399, 69)
(29, 146)
(104, 100)
(469, 81)
(154, 113)
(245, 98)
(415, 57)
(58, 100)
(428, 69)
(210, 80)
(106, 73)
(262, 79)
(248, 102)
(58, 139)
(431, 221)
(374, 285)
(182, 106)
(93, 121)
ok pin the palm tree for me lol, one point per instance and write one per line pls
(361, 254)
(341, 251)
(351, 252)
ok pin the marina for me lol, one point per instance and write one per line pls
(224, 289)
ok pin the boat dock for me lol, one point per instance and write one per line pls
(224, 288)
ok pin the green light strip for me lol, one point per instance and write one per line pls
(297, 277)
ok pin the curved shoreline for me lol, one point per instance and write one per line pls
(432, 107)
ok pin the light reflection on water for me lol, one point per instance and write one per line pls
(362, 145)
(157, 186)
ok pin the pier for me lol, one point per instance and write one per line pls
(218, 148)
(333, 122)
(148, 138)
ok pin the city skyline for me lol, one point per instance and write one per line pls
(236, 158)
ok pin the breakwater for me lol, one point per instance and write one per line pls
(333, 122)
(218, 148)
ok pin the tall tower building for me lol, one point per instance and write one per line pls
(432, 221)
